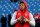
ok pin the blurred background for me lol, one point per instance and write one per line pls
(8, 7)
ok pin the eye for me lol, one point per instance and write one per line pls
(20, 5)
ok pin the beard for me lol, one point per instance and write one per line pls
(23, 9)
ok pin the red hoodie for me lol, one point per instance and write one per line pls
(25, 14)
(39, 18)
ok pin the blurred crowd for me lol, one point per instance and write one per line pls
(4, 20)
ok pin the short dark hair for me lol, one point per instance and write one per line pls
(21, 2)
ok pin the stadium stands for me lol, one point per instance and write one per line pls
(6, 7)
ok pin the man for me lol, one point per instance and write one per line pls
(36, 17)
(22, 18)
(3, 20)
(38, 21)
(9, 18)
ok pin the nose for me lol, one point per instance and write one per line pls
(21, 6)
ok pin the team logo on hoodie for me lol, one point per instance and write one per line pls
(19, 13)
(25, 14)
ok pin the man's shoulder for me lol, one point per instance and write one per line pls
(28, 12)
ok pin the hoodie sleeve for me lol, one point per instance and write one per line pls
(32, 21)
(13, 21)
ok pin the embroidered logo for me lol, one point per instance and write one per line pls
(25, 14)
(19, 13)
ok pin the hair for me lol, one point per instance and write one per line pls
(21, 2)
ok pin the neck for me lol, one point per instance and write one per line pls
(23, 10)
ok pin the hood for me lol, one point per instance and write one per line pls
(25, 5)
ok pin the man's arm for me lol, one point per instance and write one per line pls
(32, 21)
(13, 21)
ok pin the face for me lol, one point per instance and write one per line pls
(36, 13)
(2, 15)
(22, 6)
